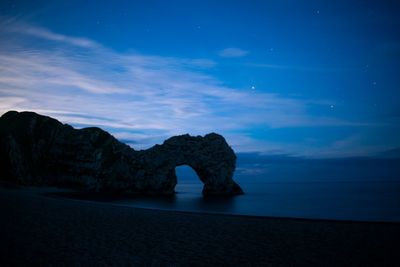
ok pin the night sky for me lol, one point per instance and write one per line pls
(301, 78)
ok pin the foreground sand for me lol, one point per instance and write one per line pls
(38, 230)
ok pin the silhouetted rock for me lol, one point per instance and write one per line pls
(39, 150)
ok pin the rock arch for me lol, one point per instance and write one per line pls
(36, 149)
(210, 157)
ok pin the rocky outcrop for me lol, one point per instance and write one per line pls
(39, 150)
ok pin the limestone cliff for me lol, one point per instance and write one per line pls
(39, 150)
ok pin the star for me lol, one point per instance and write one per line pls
(253, 87)
(332, 106)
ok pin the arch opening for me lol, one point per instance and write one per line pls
(187, 180)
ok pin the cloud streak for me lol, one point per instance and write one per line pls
(141, 98)
(232, 52)
(11, 25)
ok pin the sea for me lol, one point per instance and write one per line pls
(356, 189)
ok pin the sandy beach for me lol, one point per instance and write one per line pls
(39, 230)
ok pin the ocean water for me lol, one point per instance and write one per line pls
(351, 189)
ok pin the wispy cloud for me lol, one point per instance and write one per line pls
(141, 99)
(354, 145)
(18, 27)
(232, 52)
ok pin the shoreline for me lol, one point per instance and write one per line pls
(106, 200)
(100, 199)
(110, 203)
(42, 230)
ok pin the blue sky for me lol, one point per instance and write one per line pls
(303, 78)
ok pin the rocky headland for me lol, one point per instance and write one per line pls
(39, 150)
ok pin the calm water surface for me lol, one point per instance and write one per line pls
(358, 190)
